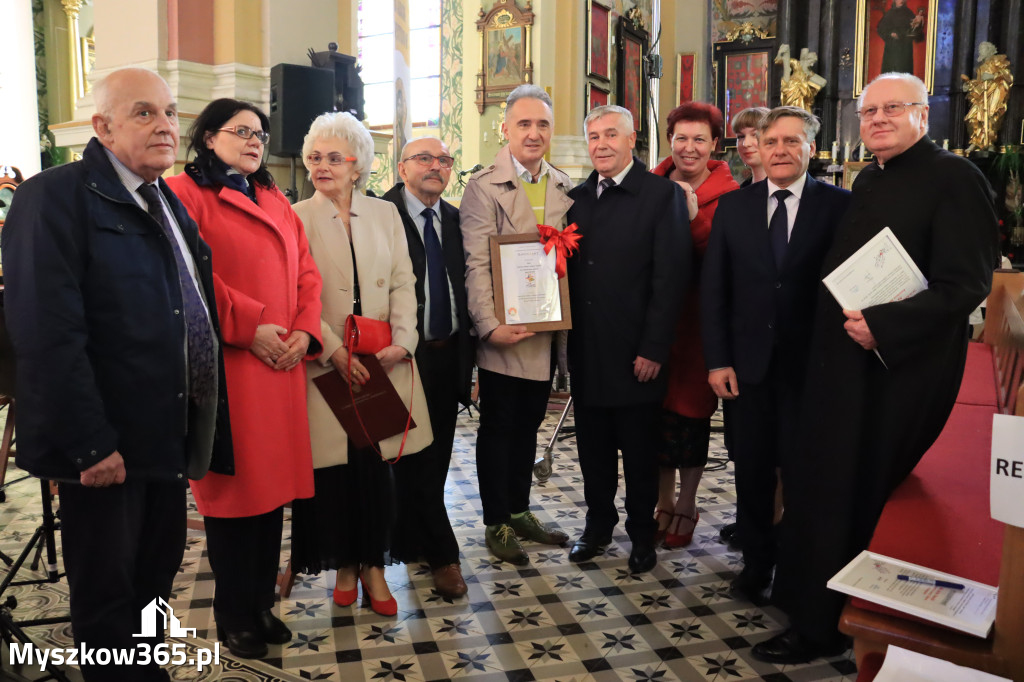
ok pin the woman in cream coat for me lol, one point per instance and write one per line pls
(359, 246)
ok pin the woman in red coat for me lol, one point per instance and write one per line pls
(693, 131)
(268, 299)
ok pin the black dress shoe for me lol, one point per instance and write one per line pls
(752, 587)
(588, 546)
(272, 629)
(643, 558)
(730, 537)
(242, 643)
(791, 647)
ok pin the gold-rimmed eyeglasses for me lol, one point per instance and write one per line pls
(890, 109)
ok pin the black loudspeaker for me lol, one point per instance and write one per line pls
(298, 94)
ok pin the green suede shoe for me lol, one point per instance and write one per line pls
(502, 542)
(529, 527)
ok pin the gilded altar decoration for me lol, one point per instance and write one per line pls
(800, 85)
(987, 95)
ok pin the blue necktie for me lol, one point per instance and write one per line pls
(439, 326)
(778, 228)
(202, 364)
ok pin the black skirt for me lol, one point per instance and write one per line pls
(350, 518)
(684, 441)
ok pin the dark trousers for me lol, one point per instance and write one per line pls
(245, 554)
(423, 527)
(763, 420)
(511, 411)
(601, 432)
(122, 547)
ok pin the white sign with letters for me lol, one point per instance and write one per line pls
(1007, 484)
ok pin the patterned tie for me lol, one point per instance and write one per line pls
(440, 323)
(778, 228)
(202, 365)
(605, 184)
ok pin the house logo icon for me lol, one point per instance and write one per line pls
(158, 608)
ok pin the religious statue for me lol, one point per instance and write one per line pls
(800, 85)
(987, 94)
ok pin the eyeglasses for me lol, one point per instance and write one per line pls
(245, 132)
(890, 109)
(334, 159)
(428, 160)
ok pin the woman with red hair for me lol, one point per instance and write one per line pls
(693, 131)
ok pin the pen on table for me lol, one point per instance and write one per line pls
(929, 581)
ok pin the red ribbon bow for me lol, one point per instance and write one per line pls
(565, 243)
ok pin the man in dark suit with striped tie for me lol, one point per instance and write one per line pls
(758, 290)
(444, 355)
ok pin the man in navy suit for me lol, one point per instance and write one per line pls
(444, 356)
(758, 290)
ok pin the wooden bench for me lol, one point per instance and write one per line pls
(939, 516)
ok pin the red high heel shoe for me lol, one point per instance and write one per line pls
(387, 607)
(345, 597)
(659, 534)
(675, 540)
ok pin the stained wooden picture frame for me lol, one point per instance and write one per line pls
(631, 88)
(499, 288)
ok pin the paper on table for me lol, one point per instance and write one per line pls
(873, 577)
(902, 665)
(879, 272)
(530, 283)
(1006, 483)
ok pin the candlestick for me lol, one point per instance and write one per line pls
(861, 151)
(945, 144)
(835, 149)
(846, 152)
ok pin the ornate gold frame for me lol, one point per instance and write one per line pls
(863, 39)
(504, 15)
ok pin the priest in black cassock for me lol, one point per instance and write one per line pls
(865, 424)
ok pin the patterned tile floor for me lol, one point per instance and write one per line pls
(549, 620)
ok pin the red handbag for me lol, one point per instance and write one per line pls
(366, 336)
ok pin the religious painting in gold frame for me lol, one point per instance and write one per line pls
(505, 52)
(895, 35)
(599, 33)
(596, 97)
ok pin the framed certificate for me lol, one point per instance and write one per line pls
(527, 290)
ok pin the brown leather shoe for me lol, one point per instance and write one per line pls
(448, 581)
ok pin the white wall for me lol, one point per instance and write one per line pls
(19, 115)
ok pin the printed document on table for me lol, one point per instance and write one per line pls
(873, 577)
(879, 272)
(902, 665)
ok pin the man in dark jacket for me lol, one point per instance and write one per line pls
(444, 356)
(626, 287)
(864, 424)
(110, 306)
(758, 289)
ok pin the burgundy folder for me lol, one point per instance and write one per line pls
(379, 406)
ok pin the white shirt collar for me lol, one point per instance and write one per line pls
(416, 207)
(525, 175)
(797, 188)
(621, 176)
